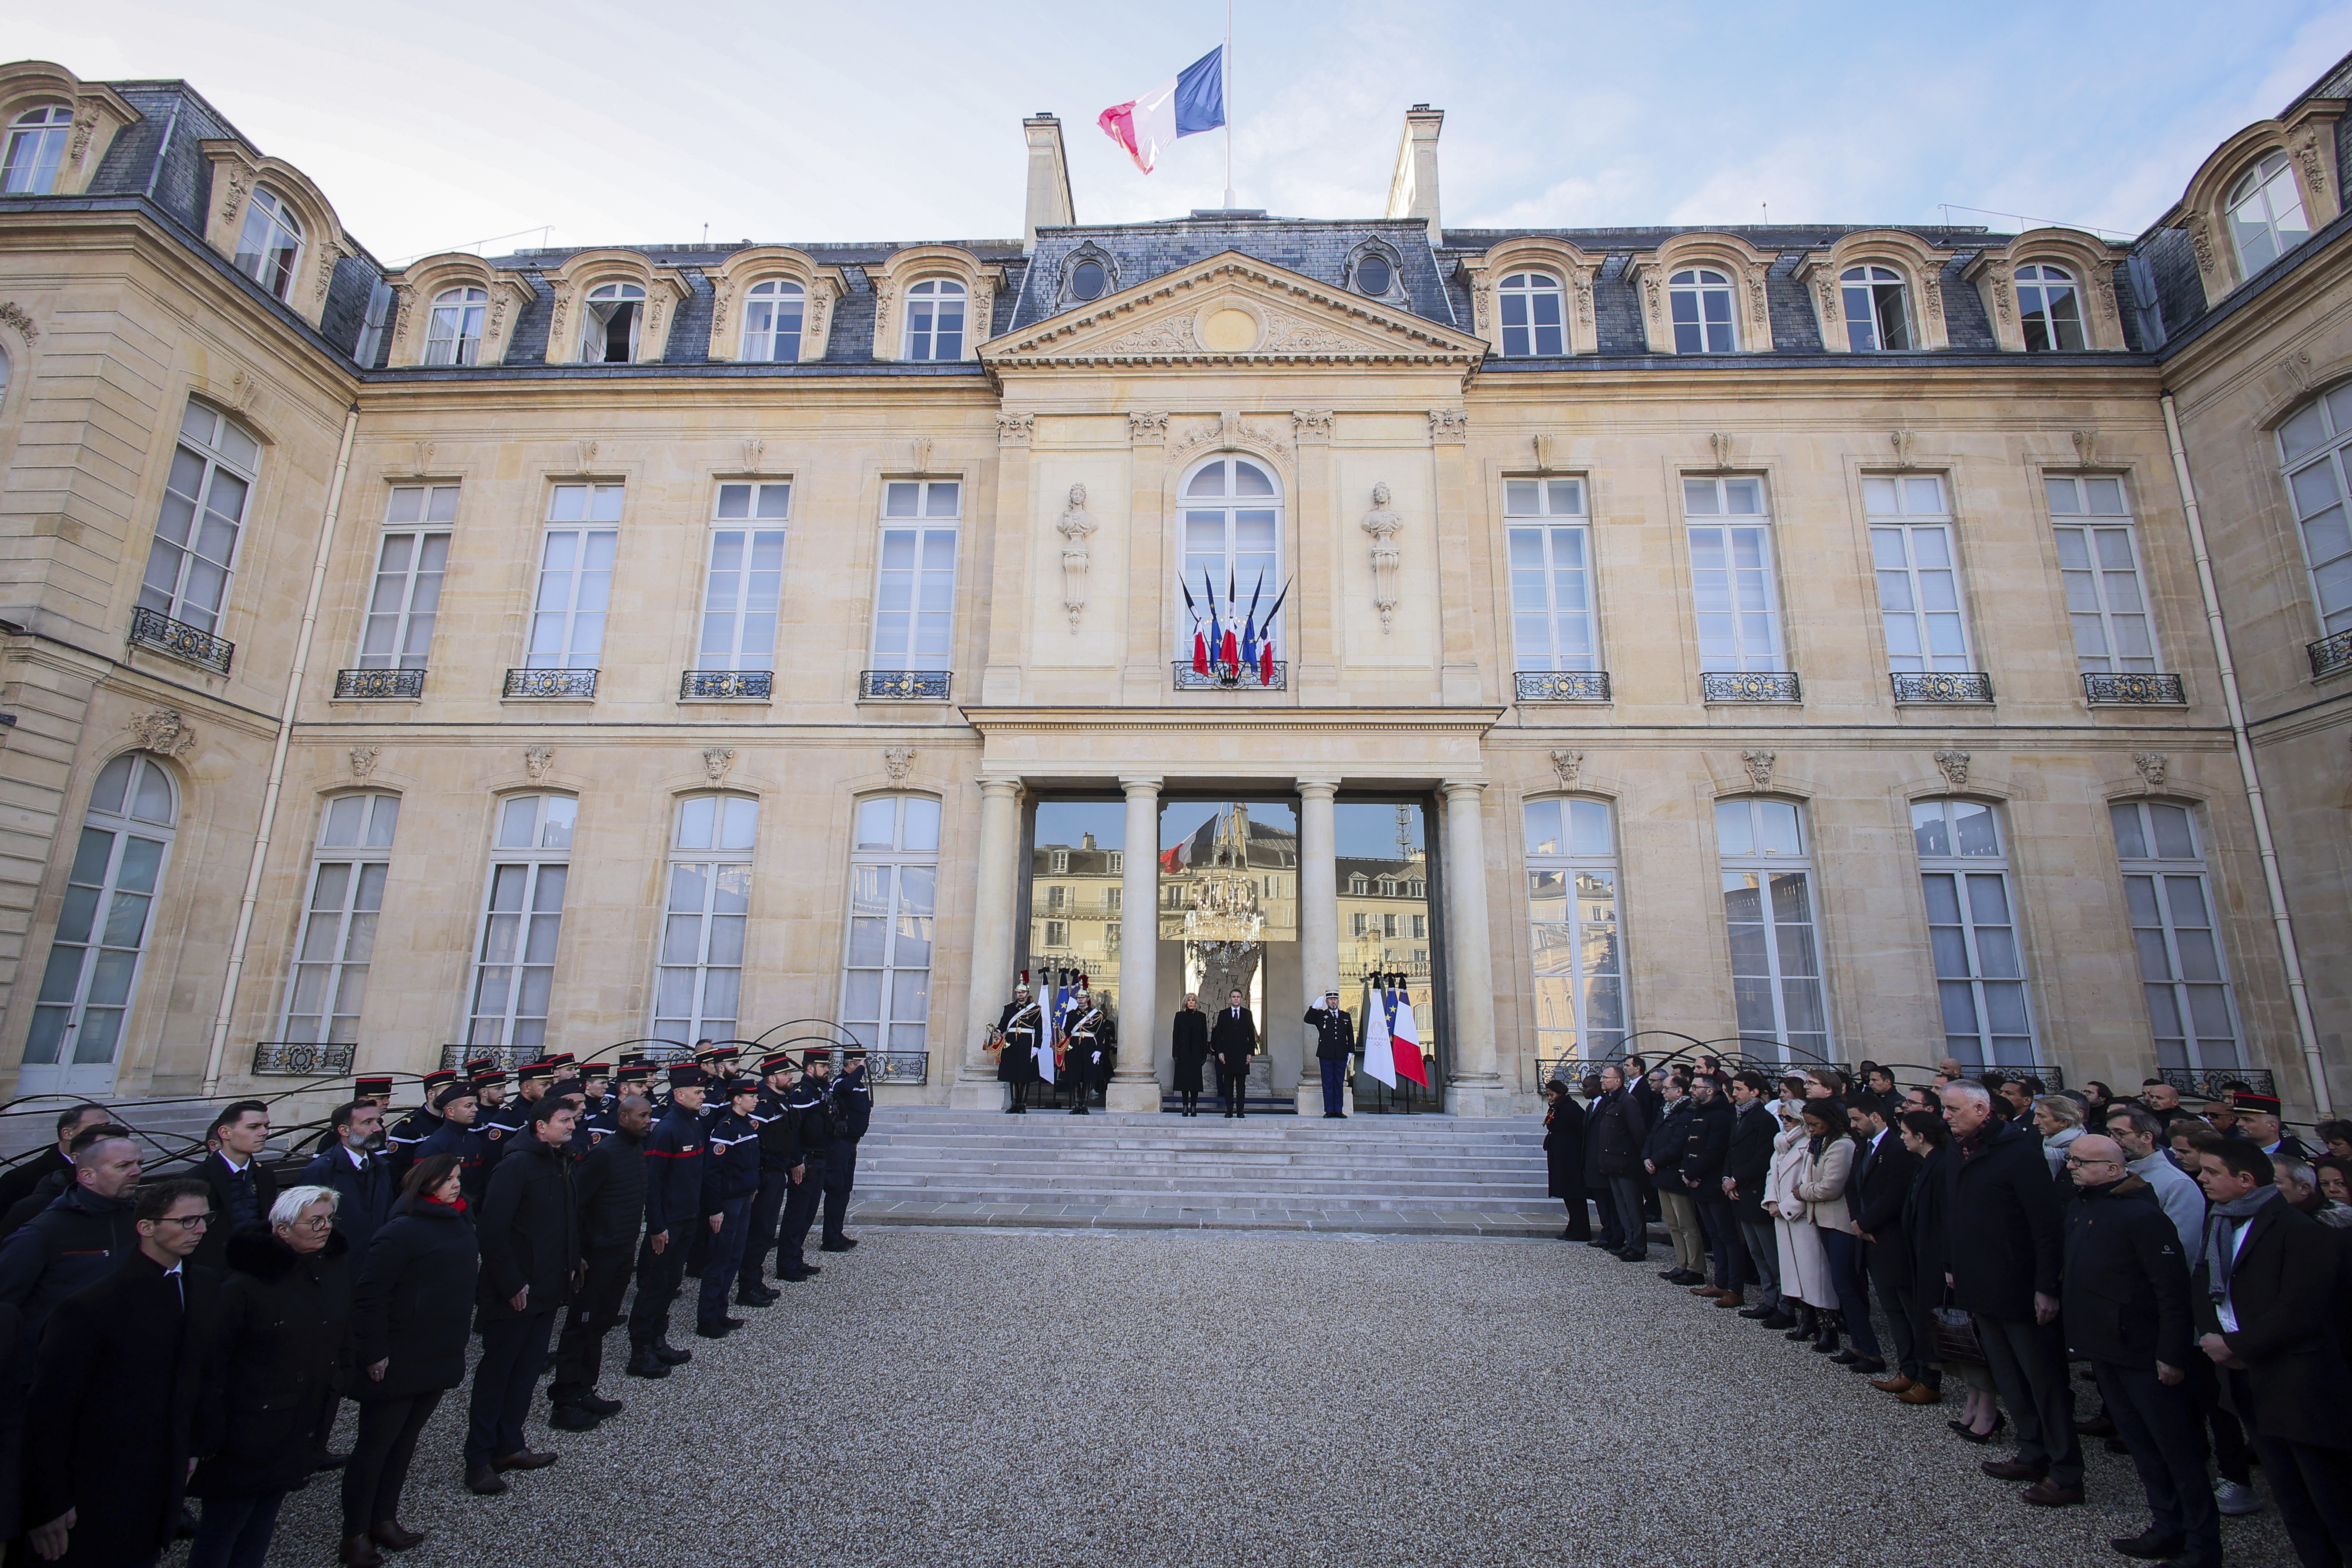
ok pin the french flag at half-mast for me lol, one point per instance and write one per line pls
(1193, 102)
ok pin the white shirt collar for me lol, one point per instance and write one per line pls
(358, 1159)
(231, 1162)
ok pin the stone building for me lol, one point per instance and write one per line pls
(1795, 635)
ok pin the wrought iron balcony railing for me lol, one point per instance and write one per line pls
(1750, 686)
(899, 1067)
(193, 645)
(1562, 685)
(2330, 654)
(2158, 689)
(902, 685)
(365, 684)
(1230, 677)
(302, 1058)
(550, 683)
(1942, 685)
(2213, 1083)
(725, 685)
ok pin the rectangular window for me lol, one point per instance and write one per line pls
(2317, 446)
(338, 937)
(914, 595)
(575, 577)
(885, 987)
(699, 983)
(746, 581)
(410, 559)
(2098, 558)
(1358, 924)
(1918, 578)
(1737, 601)
(522, 916)
(1972, 931)
(213, 473)
(1768, 905)
(1551, 575)
(1580, 963)
(2191, 1010)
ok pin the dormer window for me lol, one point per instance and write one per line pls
(1701, 298)
(37, 146)
(935, 310)
(1089, 280)
(608, 330)
(1374, 276)
(2265, 212)
(773, 313)
(1878, 310)
(2048, 306)
(269, 247)
(1534, 316)
(454, 334)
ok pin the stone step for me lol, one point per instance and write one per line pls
(951, 1169)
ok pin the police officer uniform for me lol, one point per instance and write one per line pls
(780, 1156)
(675, 1151)
(1335, 1042)
(730, 1180)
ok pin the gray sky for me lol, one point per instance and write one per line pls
(434, 124)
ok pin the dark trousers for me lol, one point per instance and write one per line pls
(2311, 1485)
(840, 1177)
(2159, 1425)
(1721, 1223)
(726, 1257)
(380, 1456)
(1843, 1250)
(1625, 1197)
(697, 1249)
(2029, 1368)
(767, 1210)
(1893, 1286)
(1761, 1245)
(1335, 1084)
(1020, 1087)
(1232, 1084)
(1579, 1218)
(659, 1275)
(514, 1352)
(579, 1352)
(234, 1531)
(799, 1213)
(1612, 1235)
(2231, 1454)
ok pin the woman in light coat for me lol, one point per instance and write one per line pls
(2059, 1119)
(1829, 1169)
(1804, 1269)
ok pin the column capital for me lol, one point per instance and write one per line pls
(1000, 785)
(1449, 788)
(1319, 789)
(1140, 784)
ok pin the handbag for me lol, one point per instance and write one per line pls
(1956, 1337)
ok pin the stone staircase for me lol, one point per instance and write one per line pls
(1378, 1174)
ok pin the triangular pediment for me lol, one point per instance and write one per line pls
(1233, 310)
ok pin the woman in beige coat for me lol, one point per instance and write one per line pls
(1828, 1167)
(1804, 1271)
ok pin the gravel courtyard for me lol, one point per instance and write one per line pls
(952, 1397)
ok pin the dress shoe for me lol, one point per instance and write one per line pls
(671, 1354)
(2013, 1470)
(359, 1552)
(393, 1536)
(2050, 1494)
(794, 1276)
(843, 1245)
(758, 1297)
(331, 1460)
(2099, 1426)
(483, 1481)
(1710, 1291)
(1898, 1383)
(2150, 1545)
(598, 1407)
(1846, 1357)
(1728, 1298)
(718, 1330)
(1757, 1313)
(573, 1418)
(646, 1363)
(1775, 1318)
(1866, 1366)
(1604, 1244)
(524, 1459)
(1631, 1256)
(1963, 1429)
(1922, 1394)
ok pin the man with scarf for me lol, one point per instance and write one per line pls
(2263, 1303)
(2127, 1311)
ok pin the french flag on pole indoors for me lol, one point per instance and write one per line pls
(1193, 102)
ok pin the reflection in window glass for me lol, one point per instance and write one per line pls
(2191, 1009)
(1768, 907)
(1575, 934)
(893, 894)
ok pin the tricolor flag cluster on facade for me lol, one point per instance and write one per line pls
(1391, 1036)
(1224, 649)
(1193, 102)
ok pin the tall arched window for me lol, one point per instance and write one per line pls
(1534, 315)
(270, 246)
(1878, 310)
(1551, 575)
(1701, 300)
(886, 977)
(699, 979)
(454, 336)
(2190, 1007)
(608, 326)
(2265, 214)
(93, 968)
(349, 863)
(523, 917)
(194, 549)
(1972, 930)
(1579, 959)
(1767, 909)
(2317, 446)
(1232, 542)
(773, 312)
(935, 319)
(36, 149)
(2048, 306)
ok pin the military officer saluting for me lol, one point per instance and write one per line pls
(1019, 1028)
(1334, 1043)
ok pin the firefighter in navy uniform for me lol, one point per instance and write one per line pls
(810, 1107)
(400, 1140)
(675, 1151)
(1018, 1029)
(1093, 1049)
(717, 1065)
(596, 1087)
(459, 1107)
(503, 1128)
(780, 1167)
(853, 1112)
(730, 1180)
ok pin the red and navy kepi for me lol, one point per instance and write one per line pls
(686, 1075)
(372, 1086)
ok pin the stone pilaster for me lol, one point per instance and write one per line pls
(994, 904)
(1474, 1087)
(1135, 1088)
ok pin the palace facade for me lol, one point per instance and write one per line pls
(1832, 641)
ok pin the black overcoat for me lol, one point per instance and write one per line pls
(1613, 1128)
(2002, 1225)
(1190, 1041)
(279, 1337)
(413, 1303)
(2280, 1291)
(1749, 1160)
(529, 1227)
(1564, 1147)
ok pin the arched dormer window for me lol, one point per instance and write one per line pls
(609, 326)
(1705, 321)
(935, 319)
(454, 336)
(2048, 308)
(2264, 211)
(1087, 273)
(269, 246)
(37, 148)
(1878, 310)
(1534, 315)
(1374, 272)
(773, 310)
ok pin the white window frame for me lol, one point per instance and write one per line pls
(522, 926)
(1238, 563)
(1761, 849)
(1735, 585)
(37, 149)
(2176, 928)
(1531, 296)
(270, 242)
(1549, 538)
(574, 594)
(350, 861)
(2258, 221)
(893, 901)
(775, 311)
(1576, 914)
(1877, 301)
(743, 576)
(2099, 568)
(1704, 289)
(931, 334)
(412, 557)
(706, 916)
(2050, 303)
(193, 556)
(1915, 555)
(915, 592)
(453, 333)
(2315, 449)
(603, 303)
(1969, 950)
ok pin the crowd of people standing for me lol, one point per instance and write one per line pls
(173, 1353)
(2198, 1261)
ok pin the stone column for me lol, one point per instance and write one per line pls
(1476, 1088)
(1135, 1088)
(1318, 922)
(994, 905)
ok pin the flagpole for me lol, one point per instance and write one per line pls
(1229, 105)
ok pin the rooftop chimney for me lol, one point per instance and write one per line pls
(1049, 179)
(1412, 192)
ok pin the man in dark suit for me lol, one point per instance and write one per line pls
(2263, 1303)
(1884, 1171)
(23, 1178)
(1746, 1171)
(360, 1178)
(242, 1187)
(1232, 1040)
